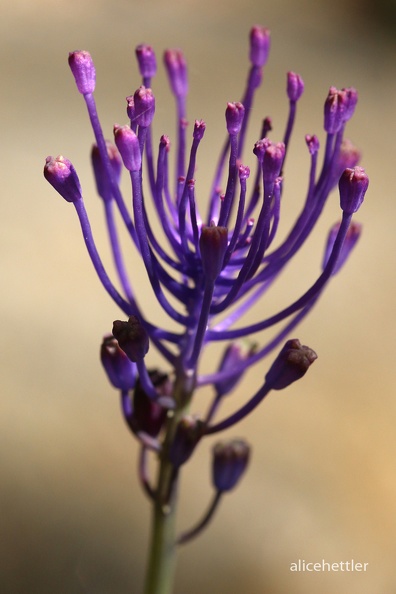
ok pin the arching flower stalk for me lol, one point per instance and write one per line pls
(217, 266)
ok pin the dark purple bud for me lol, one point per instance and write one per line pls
(60, 173)
(188, 433)
(83, 69)
(353, 185)
(128, 145)
(132, 338)
(260, 41)
(144, 103)
(165, 141)
(176, 67)
(101, 178)
(213, 244)
(274, 155)
(243, 171)
(146, 60)
(234, 355)
(350, 241)
(234, 117)
(335, 109)
(120, 370)
(312, 144)
(199, 129)
(291, 364)
(230, 460)
(295, 86)
(149, 414)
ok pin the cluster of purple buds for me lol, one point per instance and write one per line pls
(215, 265)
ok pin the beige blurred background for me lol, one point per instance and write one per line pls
(322, 480)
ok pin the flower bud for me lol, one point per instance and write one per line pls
(149, 414)
(146, 60)
(213, 244)
(312, 144)
(144, 107)
(176, 67)
(101, 177)
(295, 86)
(335, 110)
(260, 41)
(120, 370)
(62, 176)
(128, 145)
(353, 185)
(234, 117)
(132, 338)
(199, 129)
(83, 69)
(291, 364)
(274, 155)
(188, 433)
(230, 460)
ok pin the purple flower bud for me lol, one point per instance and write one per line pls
(101, 178)
(230, 460)
(60, 173)
(353, 185)
(235, 354)
(132, 338)
(260, 148)
(128, 145)
(295, 86)
(274, 155)
(176, 67)
(260, 41)
(335, 109)
(146, 60)
(291, 364)
(352, 99)
(350, 241)
(199, 129)
(243, 171)
(234, 117)
(131, 107)
(312, 144)
(188, 433)
(213, 244)
(144, 103)
(165, 141)
(349, 155)
(149, 414)
(120, 370)
(83, 69)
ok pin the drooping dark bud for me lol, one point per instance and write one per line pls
(149, 414)
(119, 368)
(353, 185)
(291, 364)
(132, 338)
(83, 69)
(230, 460)
(213, 244)
(188, 433)
(62, 176)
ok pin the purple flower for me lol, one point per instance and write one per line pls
(208, 263)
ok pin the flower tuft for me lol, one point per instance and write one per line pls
(62, 176)
(83, 69)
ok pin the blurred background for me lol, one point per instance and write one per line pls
(322, 479)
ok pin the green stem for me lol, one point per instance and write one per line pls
(162, 557)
